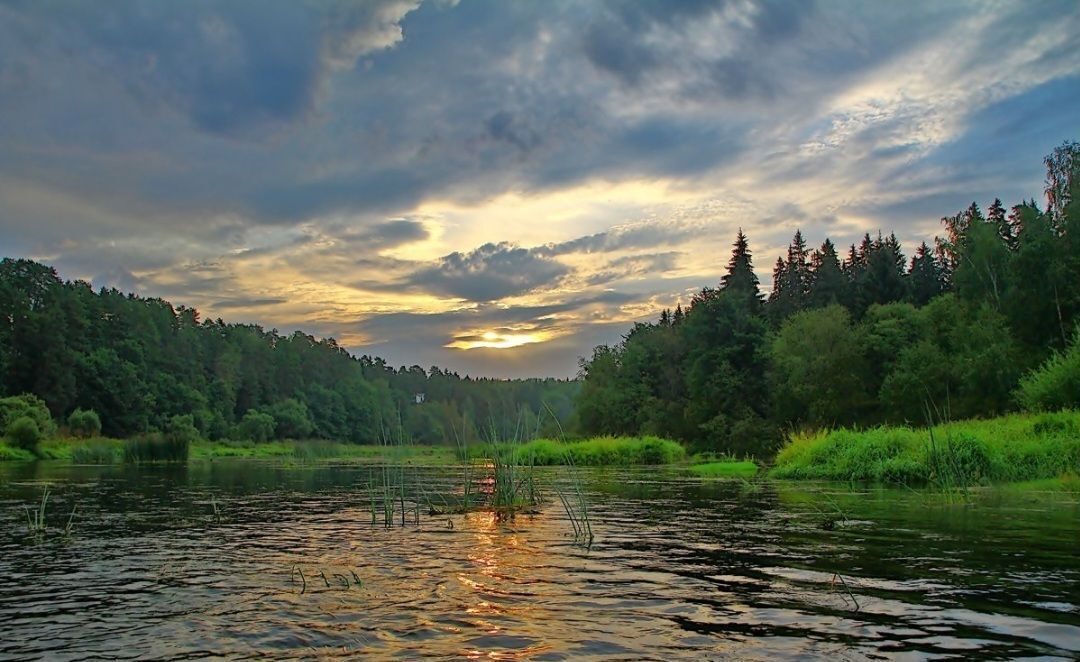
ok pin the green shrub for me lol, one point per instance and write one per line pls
(1055, 384)
(30, 406)
(24, 433)
(292, 419)
(84, 423)
(255, 426)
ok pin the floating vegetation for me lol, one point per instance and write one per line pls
(341, 580)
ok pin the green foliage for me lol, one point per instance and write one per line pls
(255, 426)
(29, 406)
(10, 453)
(23, 432)
(291, 419)
(138, 362)
(604, 451)
(1056, 383)
(1012, 448)
(84, 423)
(819, 369)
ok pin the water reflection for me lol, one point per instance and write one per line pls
(680, 569)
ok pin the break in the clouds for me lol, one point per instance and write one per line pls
(496, 186)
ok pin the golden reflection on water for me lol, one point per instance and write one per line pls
(501, 586)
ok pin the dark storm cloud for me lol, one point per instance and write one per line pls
(488, 273)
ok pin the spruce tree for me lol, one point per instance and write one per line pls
(827, 284)
(740, 279)
(927, 280)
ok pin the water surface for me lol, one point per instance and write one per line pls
(679, 569)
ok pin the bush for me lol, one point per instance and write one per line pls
(24, 433)
(292, 419)
(1055, 384)
(84, 423)
(30, 406)
(255, 426)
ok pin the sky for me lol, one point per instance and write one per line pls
(496, 186)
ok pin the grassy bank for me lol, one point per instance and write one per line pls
(601, 451)
(1019, 447)
(606, 451)
(106, 451)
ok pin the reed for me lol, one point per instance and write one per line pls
(35, 519)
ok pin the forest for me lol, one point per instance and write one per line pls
(132, 365)
(981, 320)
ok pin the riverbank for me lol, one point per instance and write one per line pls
(605, 451)
(1008, 449)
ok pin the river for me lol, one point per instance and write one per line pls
(252, 559)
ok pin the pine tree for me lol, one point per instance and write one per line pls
(827, 283)
(740, 278)
(926, 278)
(791, 281)
(996, 215)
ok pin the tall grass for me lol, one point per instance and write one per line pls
(157, 447)
(1018, 447)
(602, 451)
(94, 451)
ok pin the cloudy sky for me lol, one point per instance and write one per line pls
(495, 186)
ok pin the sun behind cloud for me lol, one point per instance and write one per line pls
(497, 340)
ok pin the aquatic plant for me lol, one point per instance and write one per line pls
(94, 452)
(172, 445)
(35, 520)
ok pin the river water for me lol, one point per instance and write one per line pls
(250, 559)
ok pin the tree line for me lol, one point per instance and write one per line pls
(864, 339)
(139, 363)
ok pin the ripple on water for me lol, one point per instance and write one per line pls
(680, 569)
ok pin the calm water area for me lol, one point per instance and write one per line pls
(263, 560)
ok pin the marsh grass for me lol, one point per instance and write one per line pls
(948, 456)
(95, 451)
(601, 451)
(157, 447)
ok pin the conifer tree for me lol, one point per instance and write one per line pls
(827, 284)
(740, 278)
(927, 280)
